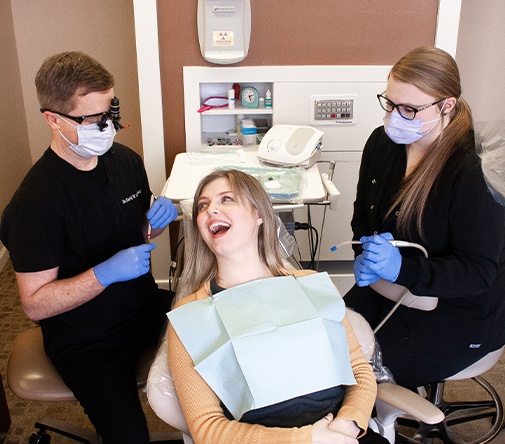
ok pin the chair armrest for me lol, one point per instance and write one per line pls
(406, 401)
(395, 292)
(161, 392)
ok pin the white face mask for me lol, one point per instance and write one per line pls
(90, 140)
(403, 131)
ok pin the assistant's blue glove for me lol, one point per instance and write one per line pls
(161, 213)
(381, 257)
(125, 265)
(364, 276)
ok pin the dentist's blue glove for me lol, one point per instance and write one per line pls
(125, 265)
(161, 213)
(381, 257)
(364, 276)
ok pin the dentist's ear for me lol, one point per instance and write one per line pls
(52, 119)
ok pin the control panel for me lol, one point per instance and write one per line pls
(333, 109)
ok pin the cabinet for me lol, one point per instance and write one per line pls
(221, 124)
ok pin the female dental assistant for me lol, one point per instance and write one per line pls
(421, 181)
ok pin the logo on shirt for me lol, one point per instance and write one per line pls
(132, 197)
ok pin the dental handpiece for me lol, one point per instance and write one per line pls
(394, 242)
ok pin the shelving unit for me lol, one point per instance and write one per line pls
(237, 110)
(221, 123)
(218, 123)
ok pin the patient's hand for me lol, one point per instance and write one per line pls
(344, 426)
(324, 432)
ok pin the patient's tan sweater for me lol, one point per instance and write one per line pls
(207, 422)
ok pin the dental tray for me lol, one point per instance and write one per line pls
(279, 183)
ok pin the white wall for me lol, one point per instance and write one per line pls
(481, 57)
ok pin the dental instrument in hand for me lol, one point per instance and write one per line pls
(153, 198)
(395, 243)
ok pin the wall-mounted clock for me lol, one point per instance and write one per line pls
(250, 97)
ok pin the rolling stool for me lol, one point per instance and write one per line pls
(32, 376)
(458, 412)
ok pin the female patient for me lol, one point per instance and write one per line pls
(234, 242)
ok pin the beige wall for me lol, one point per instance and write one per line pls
(481, 57)
(102, 28)
(14, 148)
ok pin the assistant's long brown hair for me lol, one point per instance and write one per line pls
(436, 73)
(201, 264)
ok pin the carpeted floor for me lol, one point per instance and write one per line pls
(25, 413)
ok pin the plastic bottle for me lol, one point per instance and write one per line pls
(231, 99)
(268, 99)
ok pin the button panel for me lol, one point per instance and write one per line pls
(331, 110)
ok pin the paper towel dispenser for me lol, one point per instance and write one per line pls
(224, 30)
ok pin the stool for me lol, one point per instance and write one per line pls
(458, 412)
(32, 376)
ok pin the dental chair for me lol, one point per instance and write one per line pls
(459, 416)
(32, 376)
(163, 398)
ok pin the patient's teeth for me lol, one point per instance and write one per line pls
(216, 226)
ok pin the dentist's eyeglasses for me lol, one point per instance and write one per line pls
(100, 119)
(406, 111)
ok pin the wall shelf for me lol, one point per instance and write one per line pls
(236, 111)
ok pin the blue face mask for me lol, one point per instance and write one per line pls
(403, 131)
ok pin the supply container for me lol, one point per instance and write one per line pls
(249, 132)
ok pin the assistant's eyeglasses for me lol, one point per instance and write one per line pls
(100, 119)
(406, 111)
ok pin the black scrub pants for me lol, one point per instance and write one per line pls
(371, 437)
(102, 377)
(406, 352)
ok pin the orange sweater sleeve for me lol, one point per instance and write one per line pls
(208, 424)
(359, 398)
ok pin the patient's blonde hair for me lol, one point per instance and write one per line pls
(201, 264)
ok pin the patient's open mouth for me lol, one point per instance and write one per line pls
(219, 227)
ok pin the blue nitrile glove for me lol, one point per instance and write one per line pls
(161, 213)
(381, 257)
(125, 265)
(364, 276)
